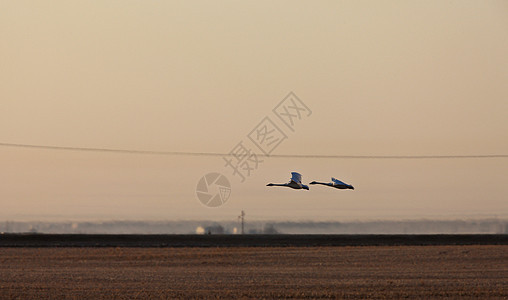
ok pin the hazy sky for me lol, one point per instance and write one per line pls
(381, 78)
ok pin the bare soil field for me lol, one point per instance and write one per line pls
(467, 271)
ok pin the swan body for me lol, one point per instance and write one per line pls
(336, 184)
(294, 183)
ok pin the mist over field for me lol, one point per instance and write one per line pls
(480, 226)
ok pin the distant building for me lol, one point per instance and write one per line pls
(215, 229)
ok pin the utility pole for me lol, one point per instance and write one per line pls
(241, 217)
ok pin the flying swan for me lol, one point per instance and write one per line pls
(294, 183)
(336, 184)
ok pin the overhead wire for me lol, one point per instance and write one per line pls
(302, 156)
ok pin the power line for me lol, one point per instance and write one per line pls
(176, 153)
(126, 151)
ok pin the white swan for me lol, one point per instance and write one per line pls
(336, 184)
(294, 183)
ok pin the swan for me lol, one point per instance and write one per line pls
(294, 183)
(336, 184)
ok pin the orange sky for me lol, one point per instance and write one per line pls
(381, 78)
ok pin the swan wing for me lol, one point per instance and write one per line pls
(296, 177)
(336, 181)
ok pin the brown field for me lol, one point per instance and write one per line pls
(256, 272)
